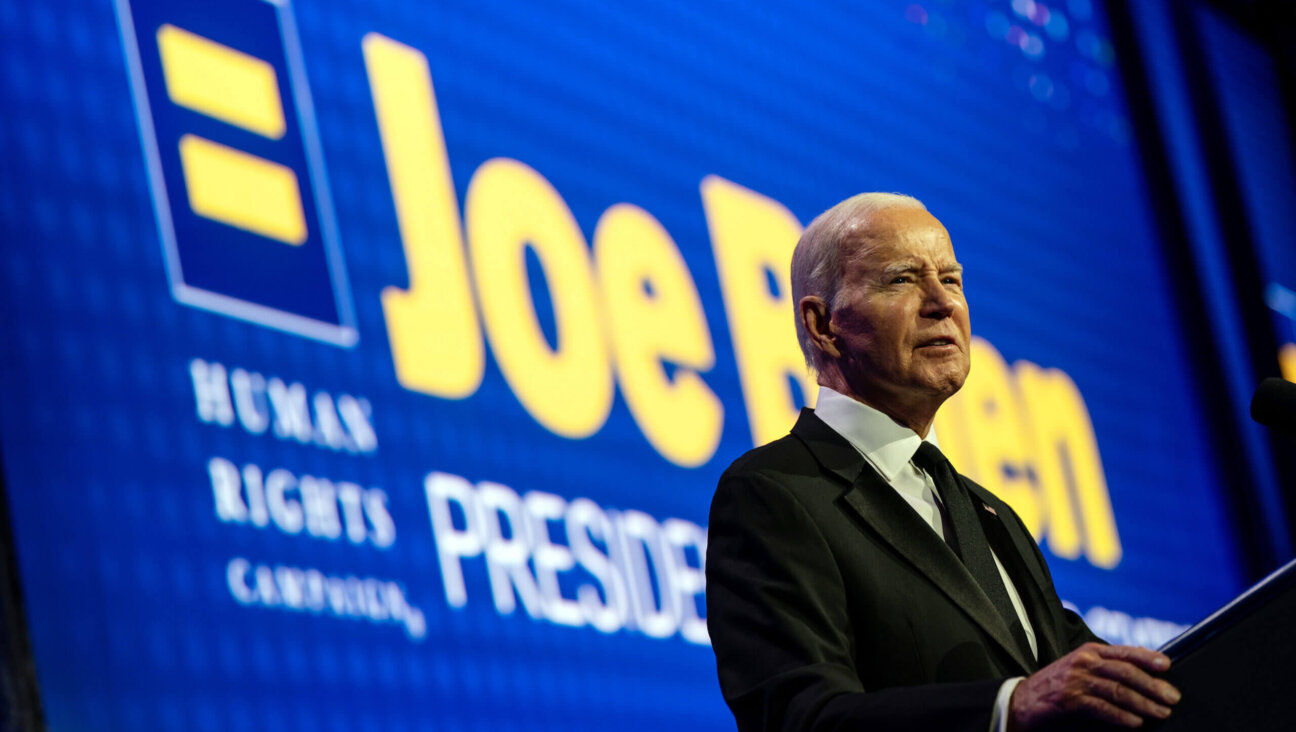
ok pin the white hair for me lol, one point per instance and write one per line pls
(817, 260)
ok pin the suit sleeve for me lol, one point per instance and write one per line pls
(779, 625)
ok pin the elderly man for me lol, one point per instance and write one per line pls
(854, 579)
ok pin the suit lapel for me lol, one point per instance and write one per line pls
(1013, 546)
(883, 511)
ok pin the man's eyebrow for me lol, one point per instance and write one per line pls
(899, 268)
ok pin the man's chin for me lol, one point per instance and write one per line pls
(946, 384)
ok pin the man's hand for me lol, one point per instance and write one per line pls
(1107, 683)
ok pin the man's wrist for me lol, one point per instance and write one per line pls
(999, 716)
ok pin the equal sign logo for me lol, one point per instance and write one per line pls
(226, 184)
(238, 181)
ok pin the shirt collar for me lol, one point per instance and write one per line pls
(888, 446)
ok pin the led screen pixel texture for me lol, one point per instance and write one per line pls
(1009, 125)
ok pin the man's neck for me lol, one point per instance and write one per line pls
(914, 414)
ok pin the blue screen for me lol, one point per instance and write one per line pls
(371, 365)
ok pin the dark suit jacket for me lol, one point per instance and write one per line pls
(833, 606)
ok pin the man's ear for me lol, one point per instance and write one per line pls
(817, 321)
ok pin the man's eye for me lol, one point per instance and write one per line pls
(900, 279)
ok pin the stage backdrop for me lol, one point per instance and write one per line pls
(371, 365)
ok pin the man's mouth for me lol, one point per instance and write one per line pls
(936, 343)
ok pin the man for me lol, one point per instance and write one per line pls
(854, 580)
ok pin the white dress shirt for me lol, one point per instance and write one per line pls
(889, 447)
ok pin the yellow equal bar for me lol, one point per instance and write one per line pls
(220, 82)
(242, 190)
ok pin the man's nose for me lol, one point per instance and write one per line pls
(938, 302)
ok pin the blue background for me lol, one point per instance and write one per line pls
(1028, 158)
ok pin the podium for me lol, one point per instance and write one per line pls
(1237, 668)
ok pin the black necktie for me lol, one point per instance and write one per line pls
(970, 542)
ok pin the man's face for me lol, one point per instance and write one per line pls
(900, 318)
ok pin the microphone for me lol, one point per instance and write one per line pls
(1274, 404)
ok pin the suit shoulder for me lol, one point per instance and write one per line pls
(781, 455)
(783, 471)
(770, 491)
